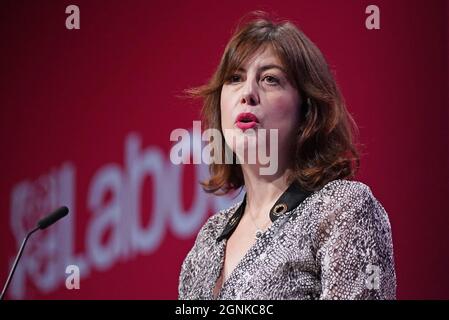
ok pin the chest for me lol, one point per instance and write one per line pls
(237, 246)
(248, 266)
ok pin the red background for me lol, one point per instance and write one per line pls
(73, 96)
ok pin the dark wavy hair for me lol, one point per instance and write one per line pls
(325, 148)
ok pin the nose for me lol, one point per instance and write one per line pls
(249, 94)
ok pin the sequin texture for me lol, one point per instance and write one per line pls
(336, 244)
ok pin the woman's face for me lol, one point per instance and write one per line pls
(259, 96)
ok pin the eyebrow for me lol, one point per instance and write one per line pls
(265, 67)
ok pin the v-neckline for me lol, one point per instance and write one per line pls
(232, 275)
(292, 197)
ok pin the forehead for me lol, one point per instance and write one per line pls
(263, 56)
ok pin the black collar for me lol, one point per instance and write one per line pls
(288, 201)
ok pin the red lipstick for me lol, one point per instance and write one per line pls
(246, 120)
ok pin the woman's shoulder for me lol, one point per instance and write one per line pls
(221, 217)
(344, 187)
(214, 225)
(351, 234)
(347, 201)
(344, 192)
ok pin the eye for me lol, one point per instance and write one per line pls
(271, 80)
(234, 78)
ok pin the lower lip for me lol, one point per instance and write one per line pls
(246, 125)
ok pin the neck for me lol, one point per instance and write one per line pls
(263, 191)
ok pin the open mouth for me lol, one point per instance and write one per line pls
(246, 120)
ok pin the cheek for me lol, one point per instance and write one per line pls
(226, 109)
(283, 112)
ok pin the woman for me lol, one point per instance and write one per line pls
(306, 231)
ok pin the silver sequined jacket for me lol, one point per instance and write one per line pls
(336, 244)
